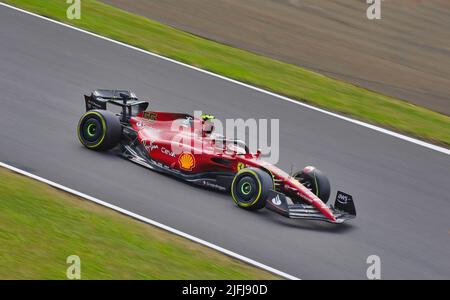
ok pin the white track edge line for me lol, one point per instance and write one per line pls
(357, 122)
(151, 222)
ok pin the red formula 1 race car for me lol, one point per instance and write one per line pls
(201, 157)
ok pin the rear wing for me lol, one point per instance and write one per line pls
(125, 99)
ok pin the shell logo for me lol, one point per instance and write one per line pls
(186, 161)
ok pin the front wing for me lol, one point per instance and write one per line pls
(343, 208)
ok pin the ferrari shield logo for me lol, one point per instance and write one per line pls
(240, 166)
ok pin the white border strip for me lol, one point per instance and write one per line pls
(151, 222)
(373, 127)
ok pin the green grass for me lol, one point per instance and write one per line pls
(270, 74)
(41, 226)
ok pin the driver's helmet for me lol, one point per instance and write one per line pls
(207, 124)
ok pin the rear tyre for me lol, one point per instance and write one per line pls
(314, 180)
(250, 188)
(99, 130)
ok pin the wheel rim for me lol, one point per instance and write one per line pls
(91, 130)
(246, 188)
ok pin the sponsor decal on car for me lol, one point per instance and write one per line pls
(240, 166)
(213, 185)
(167, 152)
(150, 115)
(149, 145)
(186, 161)
(341, 198)
(276, 200)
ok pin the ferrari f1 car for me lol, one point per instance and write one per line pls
(205, 158)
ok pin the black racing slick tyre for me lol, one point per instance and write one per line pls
(99, 130)
(250, 188)
(315, 181)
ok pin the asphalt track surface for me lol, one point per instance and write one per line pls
(406, 54)
(401, 189)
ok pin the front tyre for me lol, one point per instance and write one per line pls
(250, 188)
(314, 180)
(99, 130)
